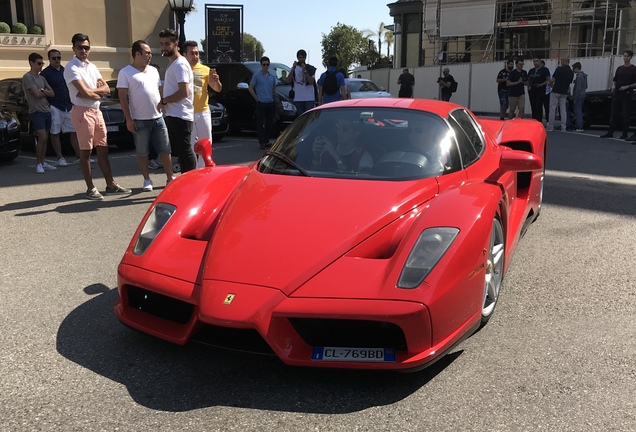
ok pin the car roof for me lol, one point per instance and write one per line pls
(440, 108)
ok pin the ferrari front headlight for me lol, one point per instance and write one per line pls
(158, 218)
(429, 248)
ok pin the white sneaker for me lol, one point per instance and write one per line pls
(61, 162)
(39, 169)
(147, 185)
(48, 167)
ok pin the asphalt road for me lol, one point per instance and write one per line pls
(558, 355)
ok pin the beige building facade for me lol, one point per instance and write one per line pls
(112, 26)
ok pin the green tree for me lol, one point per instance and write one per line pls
(345, 42)
(253, 48)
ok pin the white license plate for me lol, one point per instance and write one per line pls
(112, 128)
(353, 354)
(216, 122)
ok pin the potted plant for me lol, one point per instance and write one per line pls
(19, 28)
(4, 27)
(36, 29)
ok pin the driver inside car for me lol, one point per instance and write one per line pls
(345, 154)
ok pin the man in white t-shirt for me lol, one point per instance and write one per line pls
(138, 88)
(178, 100)
(303, 77)
(86, 87)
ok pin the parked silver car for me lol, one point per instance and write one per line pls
(361, 88)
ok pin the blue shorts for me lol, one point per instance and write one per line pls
(41, 120)
(503, 98)
(151, 130)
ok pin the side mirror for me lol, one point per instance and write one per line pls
(515, 161)
(203, 148)
(242, 86)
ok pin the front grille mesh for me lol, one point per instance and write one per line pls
(159, 305)
(349, 333)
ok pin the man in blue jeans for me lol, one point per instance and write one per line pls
(263, 90)
(138, 87)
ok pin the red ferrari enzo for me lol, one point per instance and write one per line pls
(374, 234)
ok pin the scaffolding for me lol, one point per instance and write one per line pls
(595, 27)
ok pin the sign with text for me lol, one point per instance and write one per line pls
(224, 33)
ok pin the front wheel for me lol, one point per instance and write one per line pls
(494, 270)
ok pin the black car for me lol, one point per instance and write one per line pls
(597, 108)
(218, 113)
(9, 135)
(240, 104)
(12, 100)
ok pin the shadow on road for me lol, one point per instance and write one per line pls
(167, 377)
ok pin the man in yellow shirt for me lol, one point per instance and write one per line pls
(204, 77)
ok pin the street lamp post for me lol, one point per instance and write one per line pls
(181, 7)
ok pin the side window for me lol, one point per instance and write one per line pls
(466, 149)
(470, 128)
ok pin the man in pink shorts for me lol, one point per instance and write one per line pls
(86, 87)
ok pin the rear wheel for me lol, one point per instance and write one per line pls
(494, 270)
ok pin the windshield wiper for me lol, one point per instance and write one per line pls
(288, 161)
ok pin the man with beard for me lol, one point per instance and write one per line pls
(502, 88)
(138, 88)
(178, 99)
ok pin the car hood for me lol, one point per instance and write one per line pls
(278, 231)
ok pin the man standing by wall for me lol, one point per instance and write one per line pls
(446, 84)
(561, 80)
(538, 78)
(502, 88)
(204, 77)
(36, 90)
(86, 87)
(331, 84)
(406, 81)
(302, 78)
(60, 106)
(263, 90)
(138, 88)
(622, 88)
(178, 100)
(517, 80)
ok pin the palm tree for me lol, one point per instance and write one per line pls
(388, 38)
(379, 34)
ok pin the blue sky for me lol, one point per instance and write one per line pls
(284, 27)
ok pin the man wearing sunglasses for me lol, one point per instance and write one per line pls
(60, 106)
(36, 90)
(86, 87)
(263, 90)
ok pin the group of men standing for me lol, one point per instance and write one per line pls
(169, 114)
(554, 91)
(547, 92)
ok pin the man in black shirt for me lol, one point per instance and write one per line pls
(502, 88)
(446, 84)
(561, 80)
(516, 82)
(406, 81)
(622, 88)
(538, 78)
